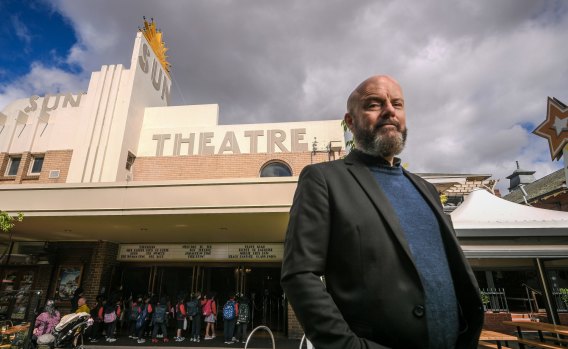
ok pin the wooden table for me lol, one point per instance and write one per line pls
(540, 327)
(15, 329)
(9, 333)
(496, 337)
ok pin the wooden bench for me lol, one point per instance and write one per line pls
(492, 339)
(555, 339)
(484, 344)
(538, 344)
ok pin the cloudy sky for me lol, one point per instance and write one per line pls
(476, 73)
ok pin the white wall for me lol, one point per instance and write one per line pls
(124, 110)
(117, 99)
(38, 124)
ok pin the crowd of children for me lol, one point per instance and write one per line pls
(148, 316)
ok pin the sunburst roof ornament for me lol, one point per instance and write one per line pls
(154, 37)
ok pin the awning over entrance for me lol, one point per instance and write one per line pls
(238, 210)
(515, 251)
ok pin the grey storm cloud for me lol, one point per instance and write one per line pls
(476, 73)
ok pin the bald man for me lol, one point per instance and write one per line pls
(394, 273)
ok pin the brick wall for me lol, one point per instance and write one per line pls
(562, 316)
(102, 264)
(56, 160)
(98, 260)
(494, 322)
(53, 160)
(218, 166)
(70, 254)
(295, 330)
(43, 278)
(468, 187)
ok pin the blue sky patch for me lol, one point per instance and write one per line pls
(31, 31)
(528, 126)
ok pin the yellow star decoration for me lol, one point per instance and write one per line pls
(154, 38)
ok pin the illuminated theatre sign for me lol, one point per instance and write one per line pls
(214, 252)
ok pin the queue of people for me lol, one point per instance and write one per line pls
(148, 316)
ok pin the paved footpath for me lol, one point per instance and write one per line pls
(256, 342)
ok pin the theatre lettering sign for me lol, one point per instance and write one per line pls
(231, 142)
(213, 252)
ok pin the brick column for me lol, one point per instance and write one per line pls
(24, 166)
(43, 279)
(295, 330)
(102, 263)
(3, 163)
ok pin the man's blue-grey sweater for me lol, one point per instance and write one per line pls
(422, 231)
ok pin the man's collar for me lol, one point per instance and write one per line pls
(370, 160)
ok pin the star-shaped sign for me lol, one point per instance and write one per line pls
(555, 127)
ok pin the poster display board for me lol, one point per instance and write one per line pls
(68, 280)
(15, 293)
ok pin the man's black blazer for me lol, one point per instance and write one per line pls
(343, 227)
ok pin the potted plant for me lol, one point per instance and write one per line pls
(564, 295)
(485, 300)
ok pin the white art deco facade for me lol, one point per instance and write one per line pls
(120, 190)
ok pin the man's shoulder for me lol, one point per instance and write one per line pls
(327, 166)
(416, 177)
(421, 180)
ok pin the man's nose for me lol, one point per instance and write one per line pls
(389, 110)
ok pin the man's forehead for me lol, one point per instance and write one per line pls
(378, 86)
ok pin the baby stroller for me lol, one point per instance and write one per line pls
(70, 327)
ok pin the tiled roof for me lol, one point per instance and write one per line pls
(551, 183)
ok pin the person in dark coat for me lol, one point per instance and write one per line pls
(395, 275)
(75, 299)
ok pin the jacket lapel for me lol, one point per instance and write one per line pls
(368, 183)
(433, 201)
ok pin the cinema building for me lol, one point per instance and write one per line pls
(121, 191)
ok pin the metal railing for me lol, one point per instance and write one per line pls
(308, 343)
(497, 299)
(261, 327)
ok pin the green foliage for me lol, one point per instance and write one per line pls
(484, 298)
(349, 144)
(7, 222)
(564, 295)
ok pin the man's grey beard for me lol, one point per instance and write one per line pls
(379, 144)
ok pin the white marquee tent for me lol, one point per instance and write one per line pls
(491, 227)
(484, 217)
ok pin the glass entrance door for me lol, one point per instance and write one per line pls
(260, 284)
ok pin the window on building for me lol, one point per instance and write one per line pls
(130, 160)
(37, 164)
(276, 169)
(13, 165)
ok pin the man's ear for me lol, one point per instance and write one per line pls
(348, 121)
